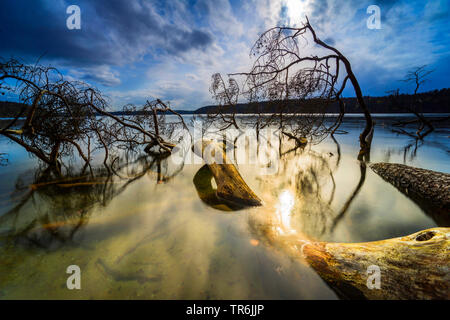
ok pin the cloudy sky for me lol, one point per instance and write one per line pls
(134, 50)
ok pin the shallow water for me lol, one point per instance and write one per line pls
(149, 240)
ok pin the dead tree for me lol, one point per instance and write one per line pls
(418, 76)
(226, 98)
(62, 117)
(285, 74)
(149, 118)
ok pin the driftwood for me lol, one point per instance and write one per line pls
(429, 189)
(208, 194)
(230, 185)
(412, 267)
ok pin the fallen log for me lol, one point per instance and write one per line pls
(230, 185)
(208, 194)
(412, 267)
(429, 189)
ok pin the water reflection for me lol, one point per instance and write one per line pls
(63, 202)
(284, 207)
(154, 228)
(352, 196)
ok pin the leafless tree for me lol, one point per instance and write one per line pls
(226, 98)
(297, 82)
(62, 117)
(418, 76)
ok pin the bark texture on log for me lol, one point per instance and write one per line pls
(230, 185)
(429, 189)
(412, 267)
(208, 194)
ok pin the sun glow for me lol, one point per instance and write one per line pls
(284, 207)
(295, 11)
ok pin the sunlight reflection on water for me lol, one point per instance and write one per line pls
(284, 207)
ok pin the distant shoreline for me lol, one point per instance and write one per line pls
(432, 102)
(347, 115)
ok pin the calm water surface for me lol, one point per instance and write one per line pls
(149, 240)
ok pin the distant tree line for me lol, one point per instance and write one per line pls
(436, 101)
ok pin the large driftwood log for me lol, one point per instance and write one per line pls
(412, 267)
(230, 185)
(208, 194)
(429, 189)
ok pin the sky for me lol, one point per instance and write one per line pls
(138, 50)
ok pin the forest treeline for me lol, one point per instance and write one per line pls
(436, 101)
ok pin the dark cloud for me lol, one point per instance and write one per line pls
(112, 32)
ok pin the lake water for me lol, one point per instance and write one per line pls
(155, 236)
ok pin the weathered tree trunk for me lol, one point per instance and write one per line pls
(230, 185)
(412, 267)
(429, 189)
(208, 194)
(365, 138)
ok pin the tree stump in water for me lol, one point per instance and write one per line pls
(429, 189)
(412, 267)
(230, 185)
